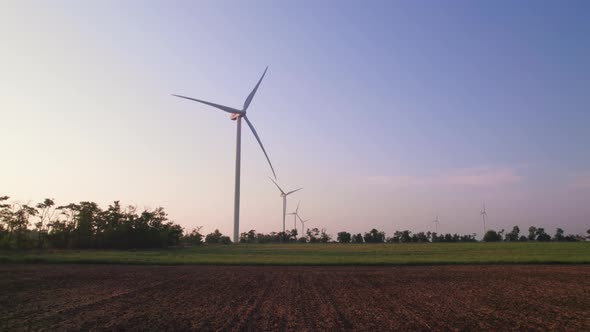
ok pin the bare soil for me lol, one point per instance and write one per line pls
(206, 298)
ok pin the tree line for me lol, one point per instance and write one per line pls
(534, 234)
(85, 225)
(316, 235)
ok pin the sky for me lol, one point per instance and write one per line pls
(385, 112)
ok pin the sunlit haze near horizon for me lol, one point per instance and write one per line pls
(386, 112)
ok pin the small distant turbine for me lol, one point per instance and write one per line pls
(436, 223)
(294, 214)
(284, 196)
(237, 115)
(484, 216)
(302, 224)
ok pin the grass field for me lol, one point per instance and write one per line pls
(324, 254)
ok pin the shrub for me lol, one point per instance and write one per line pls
(491, 236)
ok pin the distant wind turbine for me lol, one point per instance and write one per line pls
(436, 223)
(302, 224)
(294, 214)
(484, 216)
(238, 115)
(284, 196)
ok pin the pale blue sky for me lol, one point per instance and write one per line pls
(384, 111)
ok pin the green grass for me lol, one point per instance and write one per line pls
(324, 254)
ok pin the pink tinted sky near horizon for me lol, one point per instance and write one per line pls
(385, 112)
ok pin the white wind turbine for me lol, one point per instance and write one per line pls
(436, 223)
(238, 115)
(294, 214)
(302, 224)
(284, 196)
(484, 216)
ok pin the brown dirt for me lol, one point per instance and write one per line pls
(204, 298)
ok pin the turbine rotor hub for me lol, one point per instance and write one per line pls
(235, 116)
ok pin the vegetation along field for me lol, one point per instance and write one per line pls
(324, 254)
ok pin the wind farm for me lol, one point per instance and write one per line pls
(432, 158)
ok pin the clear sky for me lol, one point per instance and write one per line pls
(384, 111)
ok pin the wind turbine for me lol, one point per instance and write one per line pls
(483, 216)
(238, 115)
(284, 196)
(302, 224)
(294, 214)
(436, 223)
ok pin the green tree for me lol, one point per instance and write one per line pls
(542, 236)
(313, 235)
(343, 237)
(405, 236)
(248, 237)
(532, 233)
(213, 238)
(46, 214)
(492, 236)
(324, 236)
(513, 235)
(559, 235)
(86, 223)
(293, 235)
(374, 236)
(421, 237)
(357, 238)
(194, 238)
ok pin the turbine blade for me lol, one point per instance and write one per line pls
(297, 209)
(273, 181)
(251, 95)
(261, 146)
(292, 191)
(221, 107)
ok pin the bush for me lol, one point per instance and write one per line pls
(194, 238)
(213, 238)
(491, 236)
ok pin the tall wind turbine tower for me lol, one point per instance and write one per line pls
(284, 196)
(237, 116)
(484, 215)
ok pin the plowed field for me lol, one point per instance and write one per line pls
(204, 298)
